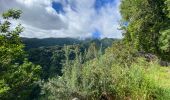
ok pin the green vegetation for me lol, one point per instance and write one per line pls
(50, 55)
(48, 42)
(90, 69)
(148, 25)
(17, 74)
(122, 73)
(119, 74)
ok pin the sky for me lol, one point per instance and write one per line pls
(67, 18)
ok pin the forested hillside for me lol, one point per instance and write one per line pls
(50, 54)
(36, 43)
(136, 67)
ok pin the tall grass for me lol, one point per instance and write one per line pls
(117, 75)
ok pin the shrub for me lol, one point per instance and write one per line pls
(118, 74)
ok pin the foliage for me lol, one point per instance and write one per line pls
(167, 2)
(74, 68)
(51, 58)
(17, 74)
(118, 74)
(148, 24)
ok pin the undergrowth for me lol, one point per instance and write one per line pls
(119, 74)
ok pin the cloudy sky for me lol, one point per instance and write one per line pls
(67, 18)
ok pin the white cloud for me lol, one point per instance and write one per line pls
(80, 18)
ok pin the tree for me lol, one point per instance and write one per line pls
(91, 52)
(148, 23)
(17, 74)
(164, 40)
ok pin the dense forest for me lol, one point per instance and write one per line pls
(136, 67)
(50, 52)
(36, 43)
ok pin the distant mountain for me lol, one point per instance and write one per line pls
(50, 54)
(36, 43)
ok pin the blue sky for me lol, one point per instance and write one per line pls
(58, 7)
(96, 34)
(101, 3)
(67, 18)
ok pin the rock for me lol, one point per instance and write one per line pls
(164, 63)
(107, 96)
(149, 57)
(75, 99)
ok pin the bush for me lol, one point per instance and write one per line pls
(117, 75)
